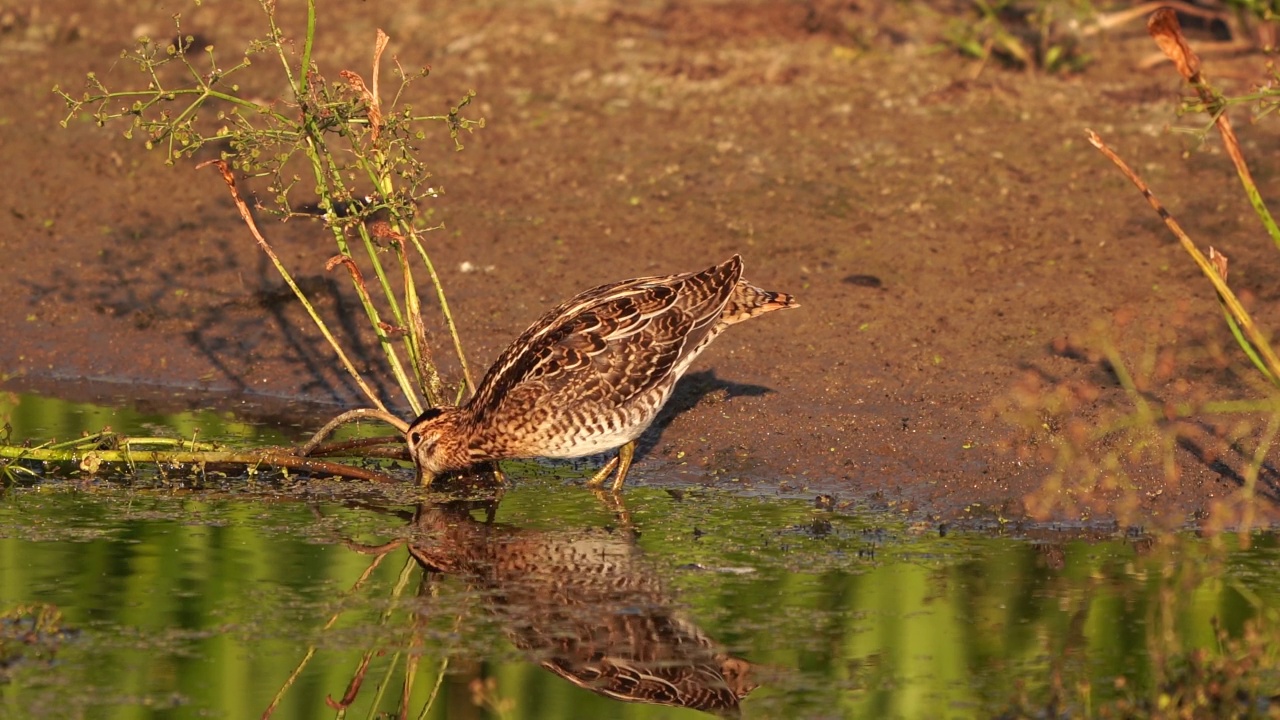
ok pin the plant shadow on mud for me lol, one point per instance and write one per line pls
(1123, 434)
(1105, 439)
(234, 328)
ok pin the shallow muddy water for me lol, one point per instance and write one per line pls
(544, 601)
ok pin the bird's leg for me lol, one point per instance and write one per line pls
(622, 461)
(496, 470)
(598, 479)
(625, 454)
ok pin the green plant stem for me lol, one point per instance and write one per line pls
(390, 295)
(299, 84)
(1165, 29)
(1247, 346)
(1225, 294)
(106, 437)
(444, 310)
(204, 93)
(89, 441)
(304, 66)
(288, 278)
(416, 332)
(188, 445)
(397, 369)
(1214, 100)
(327, 177)
(380, 177)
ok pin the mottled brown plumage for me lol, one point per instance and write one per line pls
(591, 374)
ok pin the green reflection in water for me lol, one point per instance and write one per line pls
(201, 604)
(40, 419)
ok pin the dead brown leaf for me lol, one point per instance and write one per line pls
(1167, 32)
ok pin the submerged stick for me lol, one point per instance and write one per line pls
(444, 308)
(91, 459)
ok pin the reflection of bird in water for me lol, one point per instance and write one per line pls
(591, 374)
(587, 607)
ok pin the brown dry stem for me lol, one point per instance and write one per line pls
(1229, 299)
(374, 109)
(249, 222)
(1167, 33)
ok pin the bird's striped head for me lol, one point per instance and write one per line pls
(438, 443)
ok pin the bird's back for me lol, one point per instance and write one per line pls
(591, 373)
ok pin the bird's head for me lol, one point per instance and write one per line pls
(438, 443)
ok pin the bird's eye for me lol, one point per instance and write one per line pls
(415, 437)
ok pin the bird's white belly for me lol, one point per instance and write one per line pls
(582, 436)
(583, 442)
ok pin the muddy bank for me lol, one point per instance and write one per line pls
(958, 248)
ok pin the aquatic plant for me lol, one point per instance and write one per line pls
(90, 452)
(29, 633)
(354, 143)
(355, 147)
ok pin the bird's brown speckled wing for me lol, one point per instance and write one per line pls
(604, 347)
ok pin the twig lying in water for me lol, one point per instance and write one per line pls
(92, 451)
(351, 416)
(90, 460)
(391, 447)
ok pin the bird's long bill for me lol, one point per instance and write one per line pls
(425, 478)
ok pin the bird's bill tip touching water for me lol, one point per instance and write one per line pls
(425, 477)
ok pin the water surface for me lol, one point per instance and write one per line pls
(545, 601)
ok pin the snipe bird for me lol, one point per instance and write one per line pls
(591, 374)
